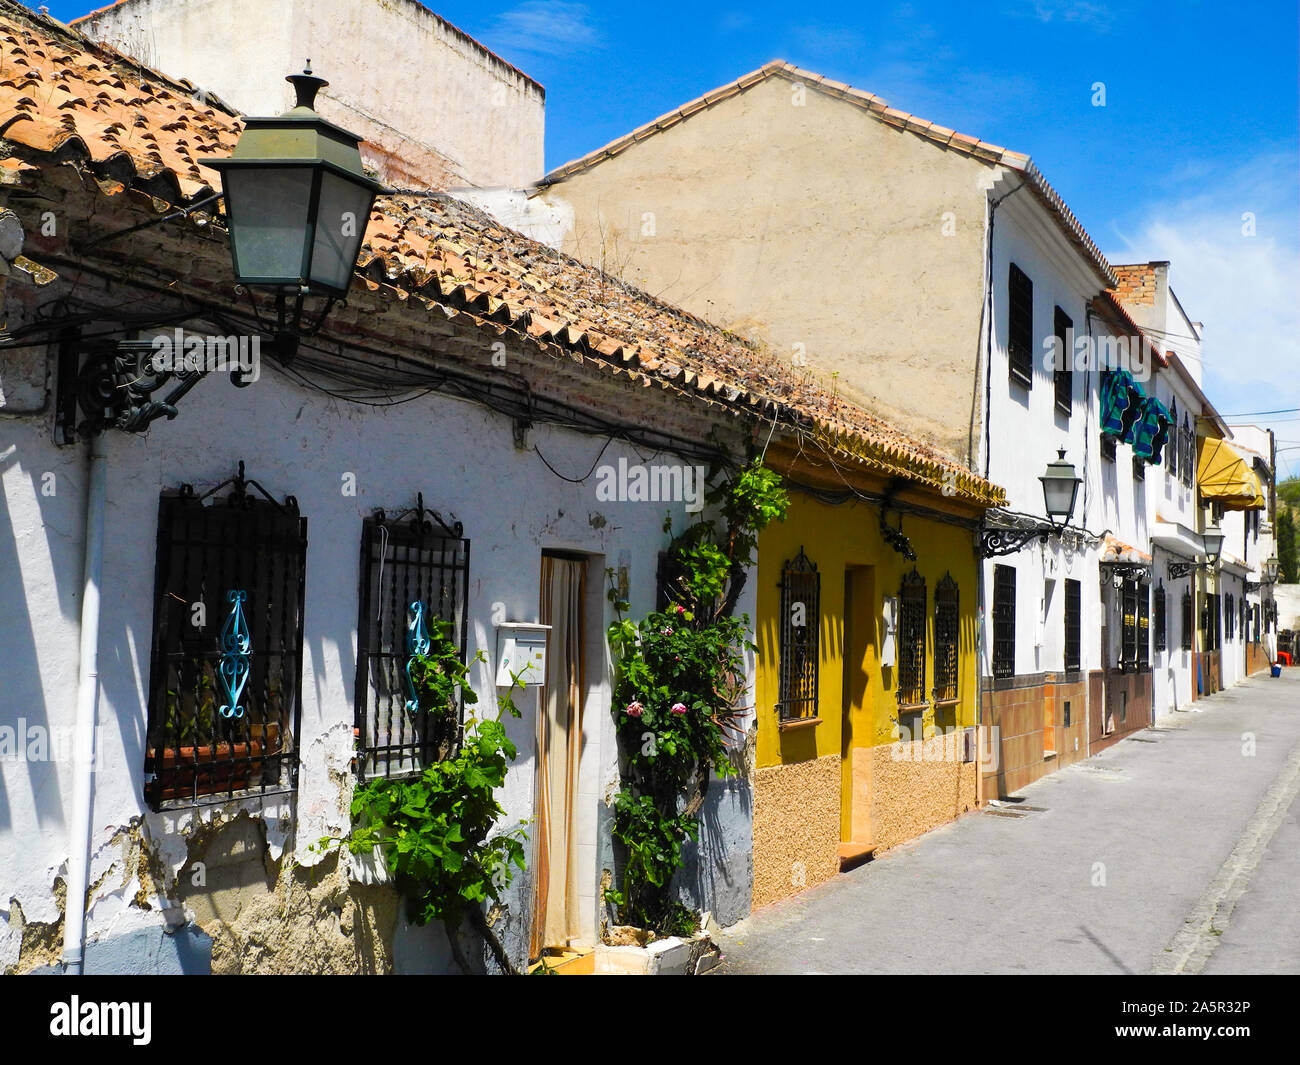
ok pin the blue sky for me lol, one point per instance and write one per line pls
(1199, 127)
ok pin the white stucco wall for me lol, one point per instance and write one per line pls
(402, 78)
(294, 441)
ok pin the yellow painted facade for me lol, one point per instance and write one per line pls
(885, 791)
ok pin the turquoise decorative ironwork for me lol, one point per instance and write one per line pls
(236, 643)
(417, 643)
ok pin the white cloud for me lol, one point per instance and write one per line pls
(1245, 289)
(1078, 12)
(544, 27)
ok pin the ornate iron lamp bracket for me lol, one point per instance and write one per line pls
(995, 542)
(1179, 570)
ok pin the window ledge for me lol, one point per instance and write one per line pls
(795, 723)
(945, 703)
(911, 708)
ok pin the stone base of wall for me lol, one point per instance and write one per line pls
(1027, 715)
(796, 827)
(906, 789)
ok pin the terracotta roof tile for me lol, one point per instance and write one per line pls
(455, 258)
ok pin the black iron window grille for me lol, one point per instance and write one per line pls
(1108, 447)
(1173, 449)
(1160, 609)
(1139, 468)
(1187, 620)
(1004, 621)
(1230, 618)
(1143, 592)
(1128, 608)
(1063, 376)
(911, 640)
(1020, 326)
(1187, 447)
(414, 584)
(799, 629)
(225, 674)
(947, 633)
(1073, 626)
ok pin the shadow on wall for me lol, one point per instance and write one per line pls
(718, 875)
(22, 696)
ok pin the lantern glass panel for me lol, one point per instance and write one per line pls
(1058, 495)
(270, 209)
(340, 227)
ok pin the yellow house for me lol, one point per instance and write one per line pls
(867, 671)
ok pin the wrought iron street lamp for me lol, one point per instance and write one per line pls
(1212, 543)
(297, 203)
(1271, 568)
(1060, 490)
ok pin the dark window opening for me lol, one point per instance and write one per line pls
(911, 640)
(1020, 326)
(947, 628)
(1004, 621)
(414, 587)
(224, 701)
(1159, 609)
(1063, 376)
(1108, 447)
(799, 625)
(1187, 621)
(1073, 625)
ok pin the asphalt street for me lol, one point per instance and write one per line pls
(1175, 851)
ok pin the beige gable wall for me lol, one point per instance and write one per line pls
(816, 225)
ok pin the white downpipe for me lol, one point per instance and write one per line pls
(83, 795)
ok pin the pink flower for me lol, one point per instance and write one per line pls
(634, 709)
(665, 632)
(679, 708)
(680, 609)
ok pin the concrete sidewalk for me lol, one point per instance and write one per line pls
(1132, 862)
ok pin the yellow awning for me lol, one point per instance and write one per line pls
(1224, 477)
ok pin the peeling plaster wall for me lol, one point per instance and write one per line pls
(269, 903)
(796, 827)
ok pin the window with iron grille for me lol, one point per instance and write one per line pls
(1172, 448)
(947, 630)
(1229, 618)
(1187, 444)
(1108, 447)
(1063, 377)
(668, 576)
(226, 667)
(1139, 469)
(414, 584)
(800, 624)
(1187, 621)
(1073, 626)
(911, 640)
(1020, 326)
(1210, 623)
(1143, 626)
(1128, 608)
(1160, 609)
(1004, 621)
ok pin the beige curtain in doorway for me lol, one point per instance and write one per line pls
(559, 748)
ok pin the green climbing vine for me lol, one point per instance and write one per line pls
(679, 680)
(435, 830)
